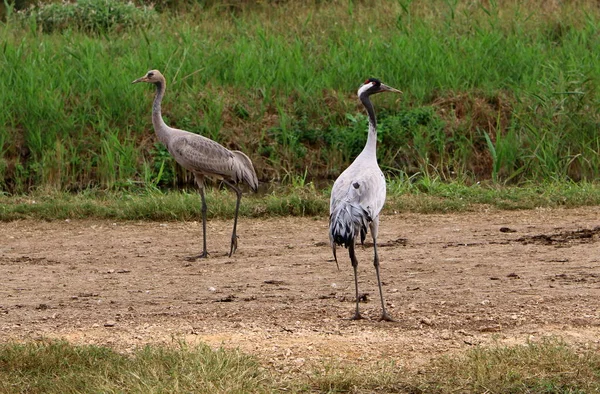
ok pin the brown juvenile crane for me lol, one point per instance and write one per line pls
(202, 156)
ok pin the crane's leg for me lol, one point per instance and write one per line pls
(204, 253)
(374, 229)
(354, 261)
(234, 237)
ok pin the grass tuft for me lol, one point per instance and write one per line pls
(58, 367)
(549, 366)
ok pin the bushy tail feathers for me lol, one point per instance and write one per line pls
(245, 170)
(346, 222)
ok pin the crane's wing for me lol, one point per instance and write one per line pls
(370, 193)
(200, 154)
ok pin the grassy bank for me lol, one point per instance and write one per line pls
(58, 367)
(425, 196)
(506, 91)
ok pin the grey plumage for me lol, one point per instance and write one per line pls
(202, 156)
(349, 218)
(358, 195)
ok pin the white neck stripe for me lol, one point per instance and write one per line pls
(364, 88)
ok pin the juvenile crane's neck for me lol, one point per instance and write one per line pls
(371, 146)
(160, 126)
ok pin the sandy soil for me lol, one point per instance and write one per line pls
(452, 281)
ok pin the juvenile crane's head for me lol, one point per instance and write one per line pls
(152, 76)
(373, 86)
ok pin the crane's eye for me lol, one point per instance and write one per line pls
(150, 75)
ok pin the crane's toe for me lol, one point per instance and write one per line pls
(357, 316)
(386, 317)
(202, 255)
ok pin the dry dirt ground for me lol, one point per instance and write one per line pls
(452, 281)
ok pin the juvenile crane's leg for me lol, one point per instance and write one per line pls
(204, 253)
(354, 261)
(234, 237)
(374, 228)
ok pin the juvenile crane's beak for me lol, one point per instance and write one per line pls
(142, 79)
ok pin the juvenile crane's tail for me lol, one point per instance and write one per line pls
(244, 170)
(346, 222)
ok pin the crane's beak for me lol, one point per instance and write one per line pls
(142, 79)
(386, 88)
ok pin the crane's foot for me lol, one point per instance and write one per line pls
(233, 245)
(202, 255)
(386, 317)
(357, 316)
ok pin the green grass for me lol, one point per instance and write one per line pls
(58, 367)
(428, 195)
(425, 195)
(546, 367)
(89, 16)
(506, 91)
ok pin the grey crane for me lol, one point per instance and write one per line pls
(358, 195)
(202, 156)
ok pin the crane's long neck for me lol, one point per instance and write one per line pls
(371, 145)
(160, 126)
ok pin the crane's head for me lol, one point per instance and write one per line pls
(152, 76)
(373, 86)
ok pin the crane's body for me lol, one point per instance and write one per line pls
(202, 156)
(368, 197)
(205, 157)
(358, 195)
